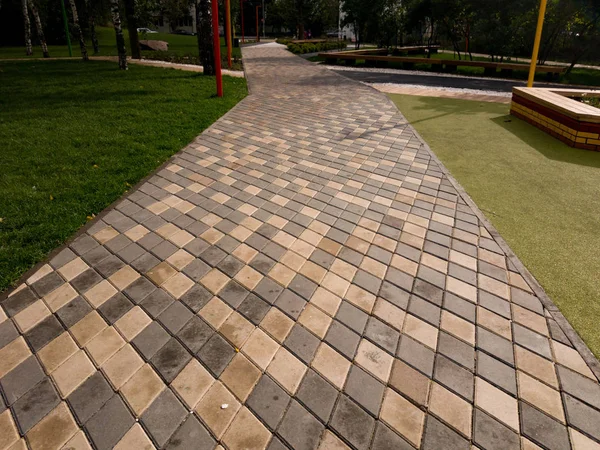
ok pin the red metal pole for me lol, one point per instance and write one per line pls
(242, 13)
(217, 46)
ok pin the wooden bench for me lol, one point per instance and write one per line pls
(415, 49)
(490, 68)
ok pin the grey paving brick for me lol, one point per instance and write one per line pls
(164, 416)
(197, 269)
(150, 340)
(579, 415)
(156, 302)
(290, 303)
(268, 401)
(276, 444)
(460, 307)
(62, 258)
(115, 307)
(454, 377)
(437, 436)
(383, 335)
(191, 435)
(233, 294)
(386, 439)
(19, 301)
(109, 266)
(268, 290)
(495, 345)
(216, 354)
(21, 379)
(254, 309)
(73, 311)
(579, 386)
(175, 317)
(302, 343)
(364, 390)
(540, 428)
(170, 359)
(109, 424)
(47, 284)
(352, 317)
(31, 407)
(317, 395)
(262, 263)
(490, 434)
(526, 300)
(300, 429)
(195, 333)
(497, 372)
(196, 298)
(303, 286)
(417, 355)
(425, 310)
(139, 289)
(8, 333)
(43, 332)
(86, 280)
(353, 423)
(90, 396)
(428, 291)
(342, 339)
(532, 341)
(230, 266)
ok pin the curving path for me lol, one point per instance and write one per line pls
(303, 275)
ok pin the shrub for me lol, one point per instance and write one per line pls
(310, 47)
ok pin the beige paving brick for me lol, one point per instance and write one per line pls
(73, 268)
(132, 323)
(240, 377)
(343, 269)
(136, 438)
(541, 396)
(57, 352)
(277, 324)
(360, 298)
(530, 319)
(215, 312)
(330, 441)
(461, 289)
(410, 382)
(405, 265)
(500, 405)
(581, 442)
(212, 409)
(60, 297)
(282, 274)
(13, 354)
(192, 383)
(236, 329)
(333, 366)
(434, 262)
(215, 280)
(246, 432)
(142, 388)
(8, 430)
(100, 293)
(335, 284)
(124, 277)
(374, 360)
(137, 232)
(536, 366)
(402, 416)
(287, 370)
(180, 259)
(106, 234)
(571, 358)
(78, 442)
(390, 314)
(122, 365)
(74, 371)
(31, 316)
(421, 331)
(248, 277)
(494, 286)
(451, 409)
(315, 320)
(182, 237)
(178, 285)
(41, 273)
(458, 327)
(21, 444)
(326, 301)
(161, 273)
(494, 322)
(54, 430)
(104, 345)
(88, 327)
(168, 229)
(464, 260)
(260, 348)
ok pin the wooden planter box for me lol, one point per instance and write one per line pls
(576, 124)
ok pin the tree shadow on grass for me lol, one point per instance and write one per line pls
(545, 144)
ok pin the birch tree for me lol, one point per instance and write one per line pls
(39, 28)
(205, 36)
(78, 31)
(92, 23)
(27, 24)
(116, 19)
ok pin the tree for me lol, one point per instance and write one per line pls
(39, 28)
(116, 19)
(78, 31)
(92, 24)
(205, 36)
(134, 41)
(27, 23)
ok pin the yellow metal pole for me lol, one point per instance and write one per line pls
(228, 31)
(536, 43)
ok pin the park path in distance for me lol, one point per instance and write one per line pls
(303, 275)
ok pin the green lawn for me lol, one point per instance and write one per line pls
(541, 195)
(75, 136)
(179, 46)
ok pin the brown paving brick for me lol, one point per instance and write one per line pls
(31, 316)
(240, 376)
(87, 328)
(161, 273)
(451, 408)
(498, 404)
(287, 370)
(12, 355)
(236, 329)
(277, 324)
(260, 348)
(192, 383)
(104, 345)
(136, 438)
(210, 409)
(247, 432)
(8, 430)
(403, 417)
(132, 323)
(122, 365)
(142, 388)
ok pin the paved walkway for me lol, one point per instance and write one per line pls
(303, 275)
(427, 91)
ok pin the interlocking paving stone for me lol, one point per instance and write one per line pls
(331, 227)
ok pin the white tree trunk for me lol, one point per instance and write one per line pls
(116, 18)
(27, 24)
(40, 29)
(78, 31)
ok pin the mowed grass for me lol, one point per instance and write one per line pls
(541, 195)
(178, 44)
(75, 136)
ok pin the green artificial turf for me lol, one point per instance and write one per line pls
(541, 195)
(179, 45)
(75, 136)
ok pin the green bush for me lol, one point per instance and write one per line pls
(311, 47)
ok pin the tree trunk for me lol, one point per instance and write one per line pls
(78, 31)
(134, 41)
(205, 36)
(92, 23)
(27, 24)
(116, 19)
(40, 29)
